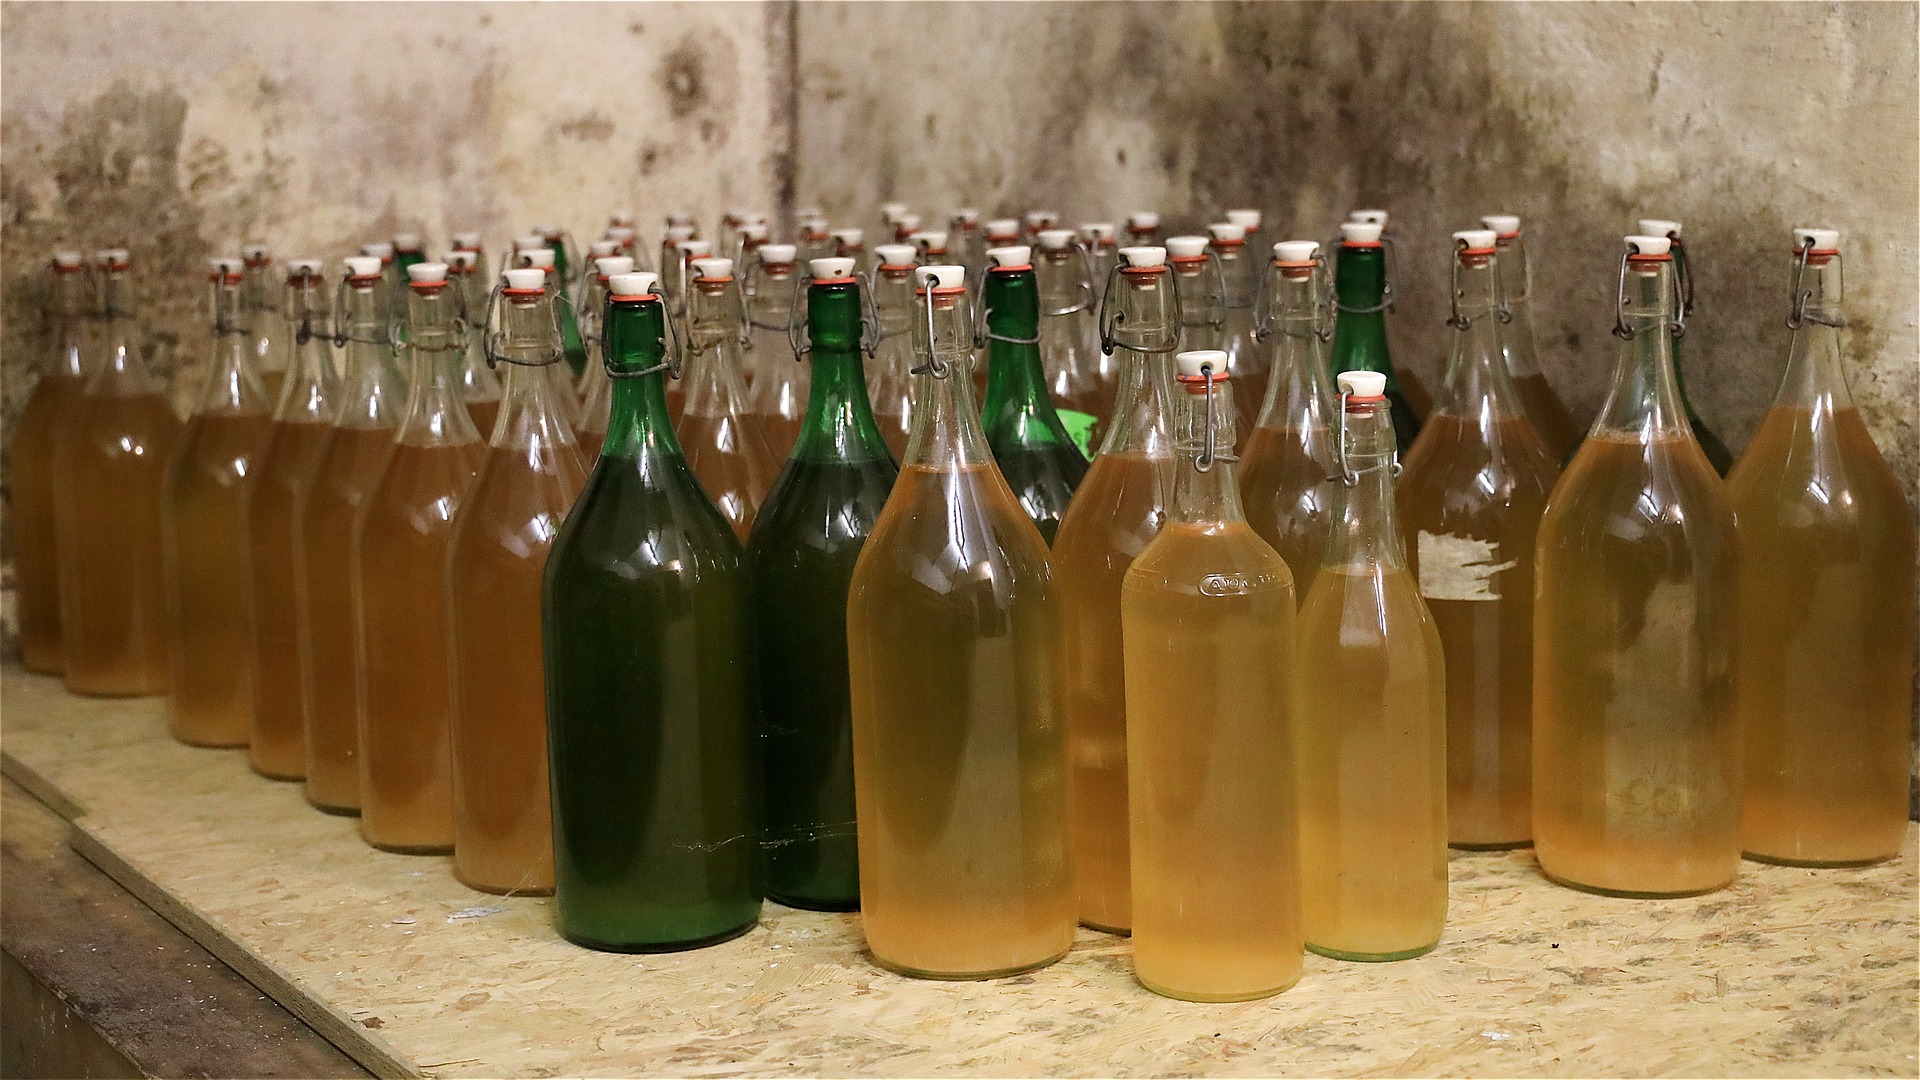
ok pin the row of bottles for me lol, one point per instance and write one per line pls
(1027, 733)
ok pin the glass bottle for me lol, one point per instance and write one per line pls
(1362, 297)
(1520, 344)
(1118, 510)
(626, 244)
(393, 284)
(259, 313)
(1143, 228)
(372, 394)
(1203, 307)
(203, 533)
(1636, 783)
(724, 442)
(565, 386)
(1068, 342)
(1470, 501)
(1290, 471)
(1031, 446)
(408, 250)
(690, 250)
(43, 420)
(529, 478)
(804, 545)
(1710, 443)
(849, 244)
(1035, 222)
(892, 383)
(890, 215)
(1097, 245)
(561, 281)
(816, 241)
(1826, 604)
(748, 238)
(672, 265)
(110, 463)
(479, 386)
(596, 389)
(959, 757)
(653, 737)
(1239, 282)
(904, 226)
(778, 398)
(400, 543)
(1208, 616)
(276, 746)
(969, 240)
(1370, 717)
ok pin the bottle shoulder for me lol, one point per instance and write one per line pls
(1660, 494)
(955, 532)
(645, 516)
(1213, 559)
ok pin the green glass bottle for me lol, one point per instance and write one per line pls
(805, 541)
(408, 250)
(1711, 444)
(553, 238)
(1029, 443)
(1360, 330)
(651, 725)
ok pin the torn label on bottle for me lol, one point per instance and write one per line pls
(1460, 568)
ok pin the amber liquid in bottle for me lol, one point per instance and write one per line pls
(400, 547)
(1826, 612)
(36, 436)
(722, 438)
(357, 446)
(1371, 723)
(959, 758)
(502, 827)
(1635, 753)
(1208, 611)
(110, 467)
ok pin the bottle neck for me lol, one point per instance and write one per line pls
(1142, 328)
(1366, 535)
(1205, 490)
(1477, 384)
(1643, 401)
(771, 303)
(1200, 308)
(66, 327)
(946, 431)
(1016, 380)
(233, 386)
(1299, 395)
(1236, 284)
(1517, 342)
(121, 368)
(310, 380)
(1360, 331)
(713, 381)
(531, 417)
(436, 412)
(893, 303)
(638, 425)
(1816, 376)
(839, 424)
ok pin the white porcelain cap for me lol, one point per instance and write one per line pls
(427, 273)
(1055, 239)
(1143, 257)
(1190, 363)
(1369, 217)
(613, 265)
(407, 241)
(304, 268)
(679, 217)
(1141, 220)
(120, 257)
(1658, 227)
(1360, 232)
(1504, 224)
(1362, 384)
(541, 258)
(1246, 219)
(462, 260)
(1296, 251)
(1474, 239)
(254, 253)
(227, 265)
(1227, 232)
(1186, 247)
(907, 223)
(806, 213)
(642, 283)
(530, 240)
(929, 240)
(379, 249)
(892, 212)
(966, 215)
(832, 268)
(600, 249)
(68, 259)
(679, 233)
(1823, 239)
(363, 266)
(713, 269)
(755, 231)
(526, 277)
(548, 231)
(778, 254)
(466, 240)
(941, 277)
(849, 237)
(1649, 245)
(1001, 228)
(1097, 231)
(1039, 219)
(696, 249)
(895, 254)
(621, 217)
(1009, 256)
(621, 234)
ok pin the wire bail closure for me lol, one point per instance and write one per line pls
(1347, 474)
(1209, 443)
(1677, 326)
(1499, 311)
(1390, 272)
(337, 332)
(1318, 325)
(934, 366)
(1797, 297)
(1110, 320)
(491, 340)
(671, 347)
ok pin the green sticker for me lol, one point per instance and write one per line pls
(1079, 427)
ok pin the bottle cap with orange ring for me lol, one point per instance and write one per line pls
(1144, 257)
(612, 266)
(379, 249)
(466, 241)
(1360, 233)
(929, 241)
(1226, 232)
(679, 217)
(895, 256)
(363, 267)
(304, 268)
(1504, 226)
(1003, 229)
(529, 241)
(1474, 241)
(226, 268)
(460, 261)
(407, 241)
(635, 286)
(601, 249)
(621, 234)
(425, 275)
(1186, 248)
(892, 212)
(1011, 257)
(695, 249)
(906, 223)
(713, 269)
(1246, 219)
(1369, 217)
(1143, 221)
(68, 260)
(1097, 232)
(525, 279)
(1825, 241)
(256, 254)
(621, 217)
(1362, 386)
(778, 254)
(540, 258)
(1055, 239)
(1649, 247)
(941, 278)
(848, 238)
(1296, 252)
(678, 234)
(966, 217)
(1040, 219)
(1658, 227)
(1190, 365)
(833, 268)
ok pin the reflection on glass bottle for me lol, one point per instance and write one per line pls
(1521, 345)
(1362, 297)
(1636, 782)
(565, 387)
(723, 440)
(1826, 604)
(959, 757)
(596, 389)
(652, 728)
(1069, 342)
(529, 478)
(36, 434)
(259, 313)
(1029, 443)
(891, 384)
(1116, 512)
(1239, 282)
(1710, 443)
(1208, 613)
(286, 466)
(1470, 501)
(805, 542)
(1371, 717)
(203, 532)
(779, 396)
(479, 386)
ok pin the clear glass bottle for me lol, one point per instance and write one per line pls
(296, 440)
(1371, 717)
(672, 264)
(400, 543)
(1826, 604)
(496, 556)
(1117, 511)
(959, 756)
(479, 386)
(393, 284)
(1102, 255)
(372, 395)
(1239, 284)
(1031, 446)
(1362, 298)
(596, 389)
(816, 240)
(565, 386)
(1636, 779)
(1520, 344)
(723, 440)
(969, 242)
(203, 532)
(1470, 500)
(779, 396)
(891, 383)
(259, 313)
(1203, 312)
(805, 542)
(36, 435)
(1710, 443)
(1290, 471)
(849, 244)
(690, 250)
(653, 732)
(1208, 613)
(1068, 339)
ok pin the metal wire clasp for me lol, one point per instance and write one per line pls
(671, 347)
(1797, 297)
(934, 366)
(1347, 475)
(491, 339)
(1209, 443)
(1109, 320)
(1677, 326)
(1263, 319)
(1390, 273)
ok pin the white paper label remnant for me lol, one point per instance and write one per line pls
(1459, 568)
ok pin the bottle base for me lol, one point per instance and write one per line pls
(211, 744)
(1182, 995)
(38, 666)
(586, 942)
(285, 778)
(1494, 845)
(106, 691)
(330, 808)
(501, 890)
(409, 849)
(1117, 931)
(1817, 864)
(810, 903)
(964, 976)
(1634, 894)
(1371, 958)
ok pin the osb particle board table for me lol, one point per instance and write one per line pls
(1788, 972)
